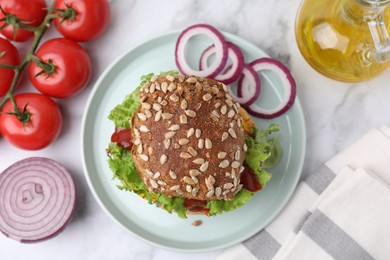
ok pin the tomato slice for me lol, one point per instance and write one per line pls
(193, 205)
(249, 180)
(123, 138)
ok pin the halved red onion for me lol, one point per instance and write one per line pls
(288, 83)
(249, 84)
(234, 71)
(37, 199)
(221, 51)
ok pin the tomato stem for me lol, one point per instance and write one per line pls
(38, 33)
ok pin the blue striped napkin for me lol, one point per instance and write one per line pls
(340, 212)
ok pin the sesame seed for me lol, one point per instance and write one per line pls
(176, 146)
(229, 102)
(159, 99)
(174, 98)
(218, 191)
(188, 180)
(154, 78)
(192, 80)
(204, 167)
(197, 107)
(172, 87)
(156, 106)
(150, 150)
(207, 97)
(231, 113)
(190, 132)
(210, 193)
(231, 124)
(198, 161)
(148, 113)
(183, 141)
(144, 157)
(144, 128)
(209, 185)
(235, 164)
(195, 179)
(163, 159)
(237, 155)
(173, 175)
(175, 187)
(157, 175)
(164, 87)
(152, 88)
(164, 103)
(170, 78)
(235, 181)
(224, 136)
(242, 169)
(174, 127)
(154, 184)
(143, 98)
(157, 117)
(158, 86)
(167, 116)
(195, 191)
(146, 105)
(194, 172)
(215, 113)
(167, 143)
(190, 113)
(146, 90)
(183, 119)
(149, 172)
(142, 116)
(239, 122)
(234, 174)
(215, 89)
(139, 149)
(227, 174)
(185, 155)
(169, 135)
(225, 192)
(232, 133)
(137, 141)
(211, 179)
(184, 104)
(228, 186)
(136, 132)
(208, 143)
(239, 187)
(221, 155)
(224, 164)
(200, 143)
(224, 87)
(192, 151)
(182, 78)
(188, 188)
(216, 105)
(198, 133)
(245, 147)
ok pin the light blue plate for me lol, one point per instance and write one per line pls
(153, 224)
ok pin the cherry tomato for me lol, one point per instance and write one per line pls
(71, 68)
(8, 55)
(42, 121)
(249, 180)
(90, 19)
(30, 12)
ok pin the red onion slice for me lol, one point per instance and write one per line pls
(249, 85)
(288, 83)
(37, 199)
(234, 71)
(221, 53)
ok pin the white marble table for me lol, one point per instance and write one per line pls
(336, 113)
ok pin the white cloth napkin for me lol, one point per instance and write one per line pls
(329, 217)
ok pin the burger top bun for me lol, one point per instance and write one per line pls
(188, 138)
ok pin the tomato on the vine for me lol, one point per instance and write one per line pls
(64, 68)
(28, 12)
(38, 124)
(9, 55)
(82, 20)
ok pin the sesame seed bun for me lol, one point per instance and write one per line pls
(188, 138)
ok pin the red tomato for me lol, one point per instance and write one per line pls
(10, 57)
(72, 68)
(249, 180)
(123, 138)
(31, 12)
(41, 129)
(90, 20)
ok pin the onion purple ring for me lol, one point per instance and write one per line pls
(37, 199)
(233, 72)
(288, 83)
(251, 83)
(221, 53)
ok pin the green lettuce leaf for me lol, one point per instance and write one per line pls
(219, 206)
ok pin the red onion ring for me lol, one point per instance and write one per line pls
(251, 83)
(288, 83)
(37, 199)
(221, 53)
(233, 72)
